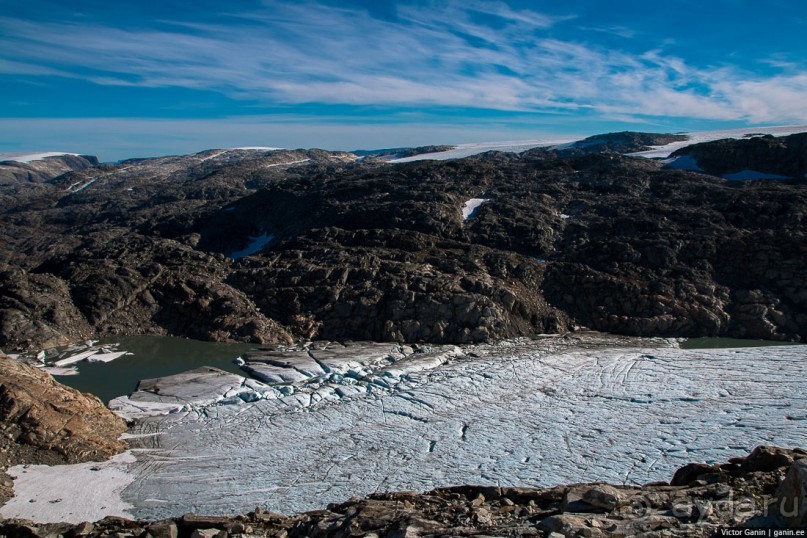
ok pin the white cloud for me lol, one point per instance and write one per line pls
(434, 54)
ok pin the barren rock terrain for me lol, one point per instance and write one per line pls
(42, 421)
(282, 246)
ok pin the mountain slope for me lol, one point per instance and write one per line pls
(271, 246)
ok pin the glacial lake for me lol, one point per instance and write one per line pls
(152, 356)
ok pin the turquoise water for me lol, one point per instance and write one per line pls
(153, 356)
(716, 343)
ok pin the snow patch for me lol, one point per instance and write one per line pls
(28, 157)
(209, 157)
(470, 206)
(256, 244)
(684, 162)
(752, 174)
(70, 493)
(84, 186)
(288, 163)
(245, 148)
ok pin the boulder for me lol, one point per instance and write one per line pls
(790, 503)
(604, 496)
(37, 411)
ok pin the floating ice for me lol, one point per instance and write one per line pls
(73, 359)
(107, 356)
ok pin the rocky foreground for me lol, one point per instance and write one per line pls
(282, 246)
(764, 489)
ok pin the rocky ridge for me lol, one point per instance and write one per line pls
(278, 246)
(44, 169)
(784, 156)
(760, 490)
(622, 142)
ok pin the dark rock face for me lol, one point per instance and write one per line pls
(730, 497)
(329, 248)
(44, 169)
(399, 153)
(783, 156)
(623, 142)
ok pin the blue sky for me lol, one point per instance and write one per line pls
(126, 79)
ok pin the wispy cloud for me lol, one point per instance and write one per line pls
(482, 54)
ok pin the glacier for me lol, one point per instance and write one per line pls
(361, 418)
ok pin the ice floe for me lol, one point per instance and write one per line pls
(55, 370)
(73, 359)
(106, 356)
(65, 360)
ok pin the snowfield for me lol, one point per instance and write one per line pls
(375, 417)
(696, 137)
(28, 157)
(657, 152)
(467, 150)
